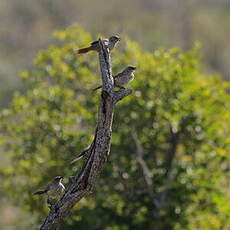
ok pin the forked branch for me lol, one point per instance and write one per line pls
(98, 151)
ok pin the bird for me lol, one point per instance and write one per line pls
(94, 46)
(54, 189)
(122, 78)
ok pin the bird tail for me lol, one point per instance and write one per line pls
(40, 192)
(97, 88)
(84, 50)
(76, 159)
(82, 154)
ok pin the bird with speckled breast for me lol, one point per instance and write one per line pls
(122, 78)
(94, 46)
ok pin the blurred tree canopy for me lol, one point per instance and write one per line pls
(168, 166)
(25, 27)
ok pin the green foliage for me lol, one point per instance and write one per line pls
(175, 111)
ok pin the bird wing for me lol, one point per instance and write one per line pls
(94, 43)
(116, 76)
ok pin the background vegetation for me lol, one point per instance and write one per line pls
(175, 124)
(177, 117)
(26, 26)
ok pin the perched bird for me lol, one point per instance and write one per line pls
(54, 189)
(109, 42)
(122, 78)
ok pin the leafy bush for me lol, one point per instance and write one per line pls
(178, 116)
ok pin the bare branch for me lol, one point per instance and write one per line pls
(119, 95)
(106, 70)
(174, 139)
(98, 152)
(145, 169)
(140, 152)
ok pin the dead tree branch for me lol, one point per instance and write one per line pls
(98, 151)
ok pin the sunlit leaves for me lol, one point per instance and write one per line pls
(51, 122)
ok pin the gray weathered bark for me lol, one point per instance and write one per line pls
(98, 151)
